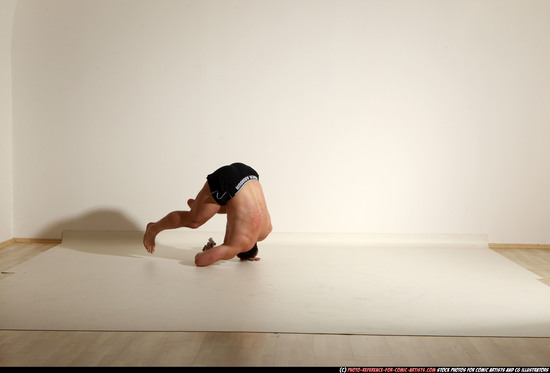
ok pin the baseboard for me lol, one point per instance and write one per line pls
(517, 246)
(6, 243)
(37, 240)
(29, 240)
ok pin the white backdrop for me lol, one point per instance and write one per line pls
(359, 115)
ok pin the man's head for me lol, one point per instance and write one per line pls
(250, 254)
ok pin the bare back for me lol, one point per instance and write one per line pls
(248, 220)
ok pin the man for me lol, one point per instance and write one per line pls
(234, 190)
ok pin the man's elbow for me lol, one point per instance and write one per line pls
(213, 255)
(200, 260)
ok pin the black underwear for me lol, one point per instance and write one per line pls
(227, 181)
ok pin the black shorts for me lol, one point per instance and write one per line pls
(227, 181)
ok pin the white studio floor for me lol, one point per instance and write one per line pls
(304, 283)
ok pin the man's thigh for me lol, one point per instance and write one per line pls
(204, 206)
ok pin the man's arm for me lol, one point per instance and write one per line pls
(222, 252)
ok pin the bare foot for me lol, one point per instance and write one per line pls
(149, 239)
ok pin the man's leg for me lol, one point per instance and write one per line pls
(202, 209)
(191, 202)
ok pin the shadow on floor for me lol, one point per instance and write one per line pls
(120, 229)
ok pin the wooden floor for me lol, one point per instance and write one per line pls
(83, 348)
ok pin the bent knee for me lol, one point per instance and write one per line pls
(194, 224)
(198, 218)
(195, 221)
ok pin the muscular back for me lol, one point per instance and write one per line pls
(248, 220)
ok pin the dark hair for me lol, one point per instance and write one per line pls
(249, 254)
